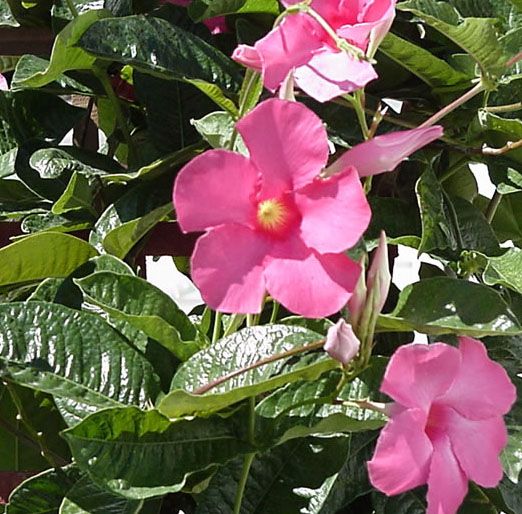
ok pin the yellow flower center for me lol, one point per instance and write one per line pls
(271, 214)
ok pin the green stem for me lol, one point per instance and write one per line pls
(102, 76)
(72, 8)
(275, 311)
(247, 459)
(216, 332)
(357, 102)
(492, 206)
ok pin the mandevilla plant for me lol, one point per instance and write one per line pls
(291, 150)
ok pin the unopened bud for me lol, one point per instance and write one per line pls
(341, 342)
(379, 277)
(358, 299)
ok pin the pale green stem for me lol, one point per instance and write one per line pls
(357, 102)
(275, 311)
(504, 108)
(492, 206)
(72, 8)
(454, 105)
(216, 332)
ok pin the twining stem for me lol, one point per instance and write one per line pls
(248, 458)
(366, 404)
(72, 8)
(102, 76)
(510, 145)
(504, 108)
(492, 206)
(357, 102)
(267, 360)
(454, 105)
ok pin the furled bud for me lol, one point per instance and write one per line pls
(358, 299)
(341, 342)
(379, 278)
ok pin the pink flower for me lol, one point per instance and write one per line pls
(446, 427)
(341, 342)
(216, 25)
(300, 44)
(385, 153)
(271, 223)
(3, 83)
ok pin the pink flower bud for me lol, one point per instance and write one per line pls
(379, 277)
(3, 83)
(357, 301)
(341, 343)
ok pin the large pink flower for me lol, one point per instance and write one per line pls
(446, 427)
(271, 223)
(217, 25)
(320, 68)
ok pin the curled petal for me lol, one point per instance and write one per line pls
(482, 388)
(214, 188)
(248, 56)
(341, 342)
(402, 455)
(417, 373)
(447, 483)
(330, 73)
(227, 267)
(335, 212)
(308, 283)
(384, 153)
(287, 143)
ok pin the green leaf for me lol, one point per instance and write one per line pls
(78, 196)
(72, 355)
(22, 261)
(477, 36)
(507, 222)
(238, 351)
(279, 481)
(204, 9)
(128, 219)
(512, 494)
(66, 55)
(145, 307)
(154, 46)
(142, 454)
(217, 128)
(42, 494)
(505, 270)
(432, 70)
(216, 95)
(412, 502)
(444, 305)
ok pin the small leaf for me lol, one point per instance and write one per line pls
(505, 270)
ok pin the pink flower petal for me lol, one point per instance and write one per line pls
(227, 267)
(335, 212)
(482, 388)
(329, 73)
(308, 283)
(287, 142)
(284, 47)
(417, 373)
(214, 188)
(477, 446)
(447, 484)
(248, 56)
(384, 153)
(341, 342)
(402, 455)
(217, 25)
(3, 83)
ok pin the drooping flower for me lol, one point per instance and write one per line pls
(341, 342)
(216, 25)
(386, 152)
(446, 426)
(321, 68)
(271, 223)
(3, 83)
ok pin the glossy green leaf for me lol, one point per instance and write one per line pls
(143, 306)
(216, 95)
(141, 454)
(23, 261)
(445, 305)
(78, 196)
(477, 36)
(238, 351)
(505, 270)
(412, 502)
(66, 55)
(73, 355)
(507, 222)
(432, 70)
(280, 480)
(128, 219)
(153, 45)
(216, 128)
(204, 9)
